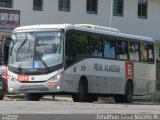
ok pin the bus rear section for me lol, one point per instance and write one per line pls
(103, 63)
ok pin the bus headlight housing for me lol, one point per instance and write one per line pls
(55, 78)
(54, 81)
(12, 79)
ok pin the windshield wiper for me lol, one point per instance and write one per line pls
(25, 40)
(43, 62)
(39, 56)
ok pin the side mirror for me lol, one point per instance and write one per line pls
(5, 50)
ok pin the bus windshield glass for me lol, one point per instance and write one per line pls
(36, 50)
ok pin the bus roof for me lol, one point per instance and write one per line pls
(83, 27)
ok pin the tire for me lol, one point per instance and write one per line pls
(53, 97)
(1, 97)
(92, 98)
(127, 97)
(2, 91)
(2, 94)
(33, 96)
(82, 95)
(128, 92)
(119, 98)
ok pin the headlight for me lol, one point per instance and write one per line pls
(12, 79)
(54, 81)
(11, 89)
(56, 77)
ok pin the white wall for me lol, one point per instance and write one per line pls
(50, 13)
(129, 23)
(28, 16)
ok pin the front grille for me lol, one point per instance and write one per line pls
(33, 88)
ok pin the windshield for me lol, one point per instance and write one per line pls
(36, 50)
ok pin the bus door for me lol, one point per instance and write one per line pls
(5, 50)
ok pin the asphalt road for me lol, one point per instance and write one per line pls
(56, 107)
(65, 105)
(64, 108)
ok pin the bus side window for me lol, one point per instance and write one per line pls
(150, 52)
(70, 48)
(82, 44)
(109, 48)
(133, 49)
(122, 50)
(143, 52)
(96, 46)
(147, 52)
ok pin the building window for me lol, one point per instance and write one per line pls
(37, 5)
(142, 9)
(92, 6)
(6, 3)
(118, 8)
(64, 5)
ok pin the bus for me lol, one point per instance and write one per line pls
(82, 60)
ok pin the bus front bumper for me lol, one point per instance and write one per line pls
(36, 87)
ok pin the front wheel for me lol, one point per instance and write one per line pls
(82, 95)
(33, 96)
(53, 97)
(1, 97)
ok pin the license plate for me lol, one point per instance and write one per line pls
(23, 78)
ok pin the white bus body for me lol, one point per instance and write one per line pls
(113, 72)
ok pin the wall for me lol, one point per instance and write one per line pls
(50, 13)
(129, 23)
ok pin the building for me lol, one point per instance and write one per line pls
(139, 17)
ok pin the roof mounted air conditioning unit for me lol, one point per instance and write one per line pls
(97, 27)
